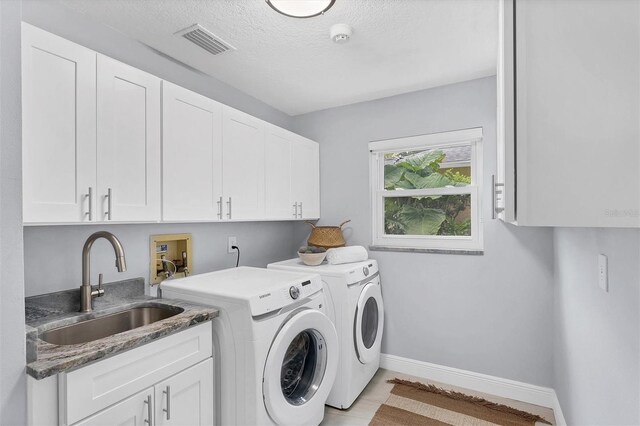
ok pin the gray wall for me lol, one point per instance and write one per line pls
(13, 410)
(490, 314)
(52, 254)
(54, 17)
(597, 334)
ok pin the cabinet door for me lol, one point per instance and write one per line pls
(134, 411)
(504, 188)
(243, 155)
(187, 397)
(191, 155)
(577, 104)
(277, 182)
(128, 129)
(58, 128)
(305, 182)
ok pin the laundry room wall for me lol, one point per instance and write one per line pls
(490, 314)
(53, 253)
(13, 383)
(597, 333)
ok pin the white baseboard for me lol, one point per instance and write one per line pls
(505, 388)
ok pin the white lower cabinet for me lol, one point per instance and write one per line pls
(186, 398)
(135, 410)
(168, 381)
(183, 399)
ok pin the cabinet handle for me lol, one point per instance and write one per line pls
(494, 199)
(219, 208)
(229, 208)
(295, 209)
(109, 197)
(300, 204)
(168, 409)
(90, 197)
(149, 410)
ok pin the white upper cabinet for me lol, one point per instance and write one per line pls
(192, 156)
(569, 113)
(128, 143)
(243, 150)
(291, 175)
(58, 128)
(105, 142)
(305, 177)
(91, 135)
(279, 203)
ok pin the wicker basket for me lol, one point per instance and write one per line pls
(326, 236)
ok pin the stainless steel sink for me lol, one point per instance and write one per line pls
(97, 328)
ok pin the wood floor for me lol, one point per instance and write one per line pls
(378, 390)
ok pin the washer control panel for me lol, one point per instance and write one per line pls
(291, 291)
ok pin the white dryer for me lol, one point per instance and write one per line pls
(355, 292)
(277, 351)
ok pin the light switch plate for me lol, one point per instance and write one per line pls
(603, 272)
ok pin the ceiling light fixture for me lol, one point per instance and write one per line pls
(301, 8)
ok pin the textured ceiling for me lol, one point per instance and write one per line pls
(398, 46)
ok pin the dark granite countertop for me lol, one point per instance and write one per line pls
(59, 309)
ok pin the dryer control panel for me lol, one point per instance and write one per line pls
(289, 293)
(361, 271)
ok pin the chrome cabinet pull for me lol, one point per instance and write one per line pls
(90, 197)
(495, 210)
(295, 209)
(149, 410)
(219, 202)
(229, 208)
(168, 409)
(109, 206)
(300, 204)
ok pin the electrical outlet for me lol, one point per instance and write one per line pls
(231, 242)
(603, 272)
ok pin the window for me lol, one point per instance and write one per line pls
(424, 191)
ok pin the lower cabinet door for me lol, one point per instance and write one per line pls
(134, 411)
(187, 397)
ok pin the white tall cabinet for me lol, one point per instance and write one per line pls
(58, 129)
(192, 156)
(569, 113)
(91, 135)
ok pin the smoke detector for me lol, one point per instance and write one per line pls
(341, 33)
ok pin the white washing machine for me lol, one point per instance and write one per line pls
(277, 350)
(354, 291)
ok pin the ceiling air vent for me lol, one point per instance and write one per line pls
(210, 42)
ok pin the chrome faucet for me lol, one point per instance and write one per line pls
(87, 293)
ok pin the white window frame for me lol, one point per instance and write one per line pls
(377, 150)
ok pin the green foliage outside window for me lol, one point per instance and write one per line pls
(424, 215)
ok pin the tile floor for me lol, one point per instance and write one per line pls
(378, 390)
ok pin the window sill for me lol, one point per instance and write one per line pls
(427, 250)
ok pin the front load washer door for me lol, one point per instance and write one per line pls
(300, 369)
(368, 322)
